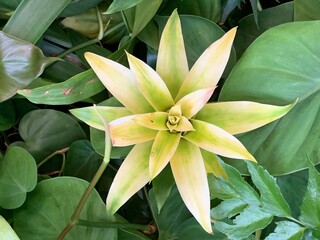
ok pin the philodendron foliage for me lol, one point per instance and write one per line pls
(167, 117)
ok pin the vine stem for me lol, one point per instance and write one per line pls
(61, 151)
(90, 42)
(75, 216)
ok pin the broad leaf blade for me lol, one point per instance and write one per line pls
(45, 131)
(270, 195)
(21, 63)
(25, 24)
(306, 10)
(18, 175)
(259, 76)
(310, 208)
(51, 205)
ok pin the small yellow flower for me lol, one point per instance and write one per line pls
(167, 117)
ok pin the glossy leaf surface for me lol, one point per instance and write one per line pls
(270, 72)
(21, 63)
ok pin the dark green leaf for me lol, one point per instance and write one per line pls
(306, 10)
(75, 89)
(120, 5)
(270, 72)
(228, 7)
(206, 8)
(18, 175)
(46, 131)
(137, 17)
(250, 220)
(79, 6)
(221, 189)
(243, 189)
(162, 186)
(82, 161)
(25, 24)
(50, 207)
(297, 181)
(271, 197)
(287, 230)
(9, 5)
(248, 30)
(228, 208)
(171, 216)
(192, 230)
(21, 62)
(7, 115)
(310, 208)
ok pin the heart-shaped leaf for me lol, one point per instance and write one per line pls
(279, 67)
(50, 207)
(18, 175)
(45, 131)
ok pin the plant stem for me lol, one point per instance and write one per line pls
(89, 42)
(61, 151)
(113, 225)
(258, 234)
(74, 218)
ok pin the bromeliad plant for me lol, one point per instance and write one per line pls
(166, 116)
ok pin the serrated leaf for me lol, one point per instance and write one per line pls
(310, 208)
(18, 175)
(250, 220)
(228, 208)
(270, 195)
(243, 189)
(219, 188)
(286, 230)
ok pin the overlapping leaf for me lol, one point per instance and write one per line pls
(18, 175)
(270, 72)
(21, 62)
(310, 208)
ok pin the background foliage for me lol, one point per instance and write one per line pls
(47, 157)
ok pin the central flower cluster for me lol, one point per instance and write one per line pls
(177, 123)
